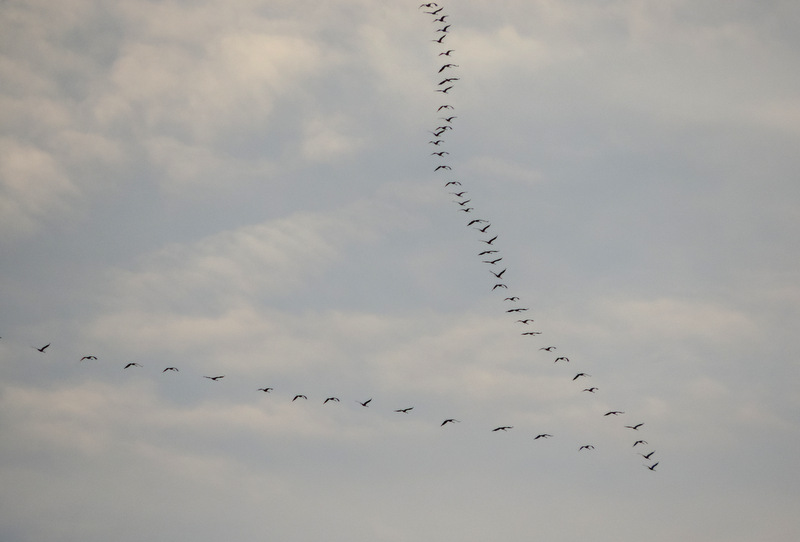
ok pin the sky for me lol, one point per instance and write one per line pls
(246, 189)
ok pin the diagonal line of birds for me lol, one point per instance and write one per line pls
(489, 255)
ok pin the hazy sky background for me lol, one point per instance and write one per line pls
(245, 188)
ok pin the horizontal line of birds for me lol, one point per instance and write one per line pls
(366, 403)
(490, 255)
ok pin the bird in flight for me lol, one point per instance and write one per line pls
(503, 428)
(334, 399)
(653, 466)
(634, 427)
(450, 119)
(404, 410)
(561, 358)
(648, 456)
(490, 241)
(449, 420)
(492, 262)
(454, 183)
(446, 65)
(440, 39)
(483, 229)
(548, 348)
(365, 403)
(586, 447)
(296, 397)
(447, 53)
(434, 12)
(174, 369)
(444, 90)
(532, 333)
(88, 357)
(496, 286)
(521, 309)
(577, 376)
(265, 390)
(591, 390)
(42, 349)
(132, 364)
(515, 298)
(526, 321)
(440, 153)
(542, 435)
(500, 274)
(436, 142)
(214, 378)
(613, 413)
(442, 167)
(479, 221)
(428, 5)
(445, 107)
(639, 442)
(444, 29)
(459, 194)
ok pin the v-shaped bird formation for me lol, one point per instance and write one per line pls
(488, 253)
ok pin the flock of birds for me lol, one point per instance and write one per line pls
(489, 253)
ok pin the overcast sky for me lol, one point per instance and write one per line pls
(246, 188)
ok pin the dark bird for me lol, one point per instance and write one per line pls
(449, 420)
(434, 12)
(542, 435)
(492, 262)
(561, 358)
(639, 442)
(214, 378)
(454, 183)
(296, 397)
(174, 369)
(404, 410)
(334, 399)
(446, 65)
(450, 119)
(440, 19)
(483, 229)
(496, 286)
(88, 357)
(42, 349)
(444, 29)
(648, 456)
(428, 5)
(515, 298)
(436, 142)
(526, 321)
(462, 203)
(490, 241)
(477, 221)
(132, 364)
(613, 413)
(500, 274)
(440, 153)
(548, 348)
(365, 403)
(586, 447)
(265, 390)
(440, 40)
(445, 107)
(577, 376)
(503, 428)
(488, 252)
(444, 90)
(442, 167)
(634, 427)
(518, 309)
(591, 390)
(653, 466)
(447, 53)
(532, 333)
(459, 194)
(467, 209)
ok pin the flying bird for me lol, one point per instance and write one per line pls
(591, 390)
(648, 456)
(542, 435)
(404, 410)
(132, 364)
(634, 427)
(467, 209)
(42, 349)
(518, 309)
(296, 397)
(526, 321)
(444, 90)
(548, 348)
(334, 399)
(478, 221)
(503, 428)
(434, 12)
(440, 39)
(613, 413)
(577, 376)
(445, 107)
(462, 203)
(365, 403)
(500, 274)
(639, 442)
(515, 298)
(532, 333)
(496, 286)
(446, 65)
(440, 153)
(447, 53)
(444, 29)
(653, 466)
(214, 378)
(454, 183)
(265, 390)
(88, 357)
(450, 119)
(442, 167)
(459, 194)
(436, 142)
(440, 19)
(173, 369)
(490, 241)
(492, 262)
(561, 358)
(449, 420)
(483, 229)
(586, 447)
(428, 5)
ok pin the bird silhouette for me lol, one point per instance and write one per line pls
(447, 53)
(444, 90)
(653, 466)
(479, 221)
(214, 378)
(542, 435)
(613, 413)
(634, 427)
(526, 321)
(532, 333)
(173, 369)
(436, 142)
(490, 241)
(440, 40)
(440, 153)
(503, 428)
(445, 107)
(496, 286)
(296, 397)
(444, 29)
(88, 357)
(577, 376)
(561, 358)
(639, 442)
(459, 194)
(518, 309)
(452, 183)
(649, 455)
(42, 349)
(334, 399)
(404, 410)
(365, 403)
(500, 274)
(450, 119)
(591, 390)
(548, 348)
(446, 65)
(442, 167)
(265, 390)
(449, 420)
(586, 447)
(132, 364)
(492, 262)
